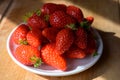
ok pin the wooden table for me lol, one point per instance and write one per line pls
(107, 22)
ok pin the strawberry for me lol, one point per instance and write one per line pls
(75, 52)
(75, 12)
(50, 8)
(61, 7)
(90, 19)
(34, 38)
(91, 47)
(36, 21)
(60, 19)
(28, 55)
(19, 35)
(50, 33)
(64, 40)
(81, 38)
(51, 57)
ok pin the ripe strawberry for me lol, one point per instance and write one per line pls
(81, 38)
(75, 12)
(50, 33)
(19, 35)
(61, 7)
(34, 38)
(36, 21)
(60, 19)
(28, 55)
(51, 57)
(90, 19)
(50, 8)
(91, 47)
(64, 40)
(75, 52)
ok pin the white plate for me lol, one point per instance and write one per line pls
(74, 65)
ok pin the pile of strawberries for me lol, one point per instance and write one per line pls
(53, 34)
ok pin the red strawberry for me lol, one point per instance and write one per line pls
(50, 8)
(81, 38)
(90, 19)
(62, 7)
(51, 57)
(19, 35)
(50, 33)
(28, 55)
(60, 19)
(75, 52)
(64, 40)
(75, 12)
(36, 21)
(34, 38)
(91, 47)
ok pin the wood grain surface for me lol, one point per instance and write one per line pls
(4, 5)
(107, 22)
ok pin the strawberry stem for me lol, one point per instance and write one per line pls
(30, 28)
(37, 61)
(95, 54)
(26, 16)
(23, 42)
(38, 12)
(29, 14)
(46, 17)
(85, 24)
(72, 26)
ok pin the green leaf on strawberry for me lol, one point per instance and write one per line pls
(37, 61)
(72, 26)
(38, 12)
(29, 14)
(95, 54)
(85, 24)
(26, 16)
(23, 42)
(46, 17)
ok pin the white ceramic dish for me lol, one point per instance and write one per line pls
(74, 66)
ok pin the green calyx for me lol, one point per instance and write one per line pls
(30, 28)
(85, 24)
(23, 42)
(95, 54)
(26, 16)
(46, 17)
(72, 26)
(29, 14)
(38, 12)
(37, 61)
